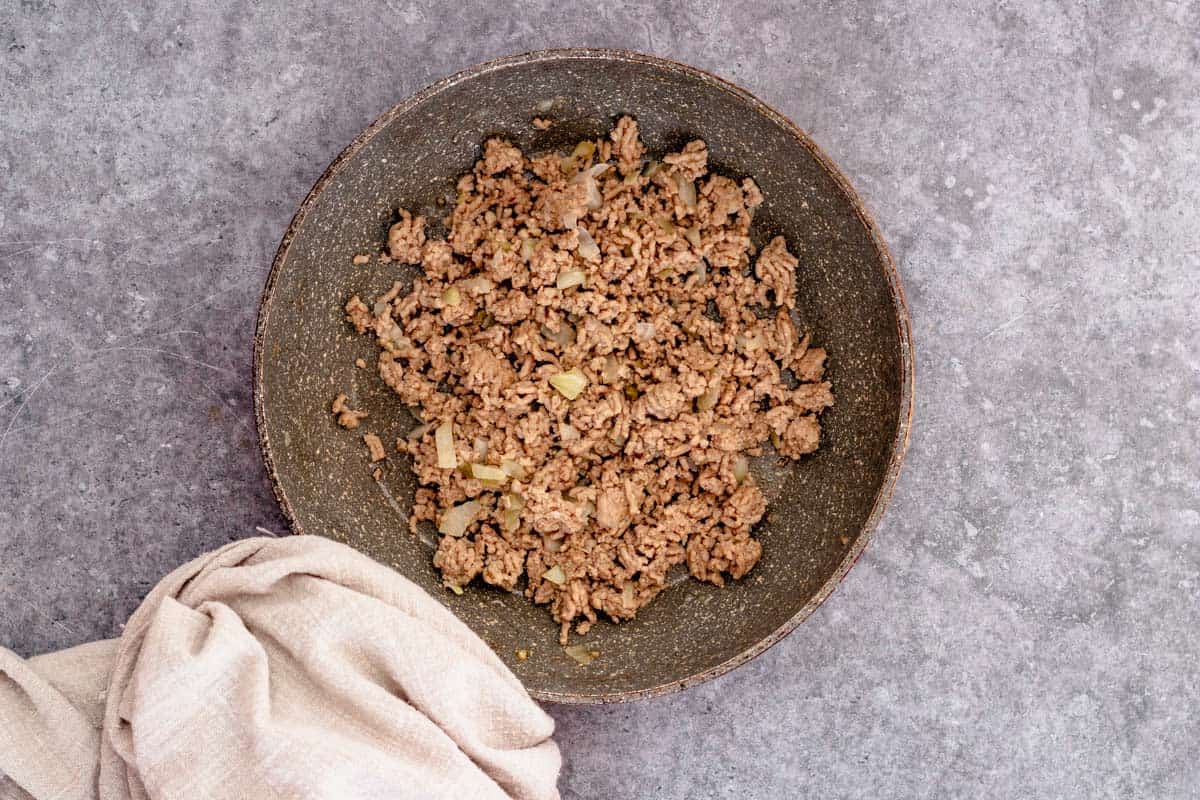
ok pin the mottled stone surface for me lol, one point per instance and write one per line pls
(1025, 623)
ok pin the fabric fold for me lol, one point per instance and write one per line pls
(277, 668)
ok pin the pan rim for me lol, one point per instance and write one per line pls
(901, 436)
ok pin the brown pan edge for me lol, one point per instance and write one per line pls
(900, 307)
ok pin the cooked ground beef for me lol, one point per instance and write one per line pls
(375, 447)
(598, 355)
(347, 417)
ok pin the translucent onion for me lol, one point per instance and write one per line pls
(443, 437)
(451, 297)
(692, 234)
(580, 654)
(488, 474)
(612, 369)
(570, 384)
(627, 595)
(665, 223)
(702, 273)
(510, 517)
(651, 169)
(644, 330)
(588, 249)
(569, 220)
(513, 469)
(687, 192)
(747, 344)
(419, 431)
(584, 149)
(567, 432)
(570, 277)
(479, 285)
(527, 248)
(741, 469)
(552, 545)
(555, 575)
(458, 518)
(711, 394)
(594, 198)
(480, 446)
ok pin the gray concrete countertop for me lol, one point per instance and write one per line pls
(1026, 622)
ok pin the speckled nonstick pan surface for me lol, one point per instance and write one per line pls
(823, 509)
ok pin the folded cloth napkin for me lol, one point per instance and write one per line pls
(276, 668)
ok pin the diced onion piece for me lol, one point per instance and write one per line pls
(692, 234)
(627, 595)
(570, 277)
(644, 330)
(443, 437)
(665, 223)
(567, 165)
(552, 545)
(702, 273)
(687, 192)
(480, 446)
(586, 509)
(419, 431)
(741, 469)
(486, 472)
(513, 469)
(569, 220)
(564, 336)
(567, 432)
(457, 519)
(710, 396)
(594, 198)
(588, 249)
(451, 297)
(510, 516)
(479, 285)
(454, 587)
(651, 169)
(776, 442)
(612, 369)
(581, 654)
(555, 575)
(570, 384)
(599, 169)
(584, 149)
(747, 344)
(527, 248)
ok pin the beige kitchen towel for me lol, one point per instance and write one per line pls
(276, 668)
